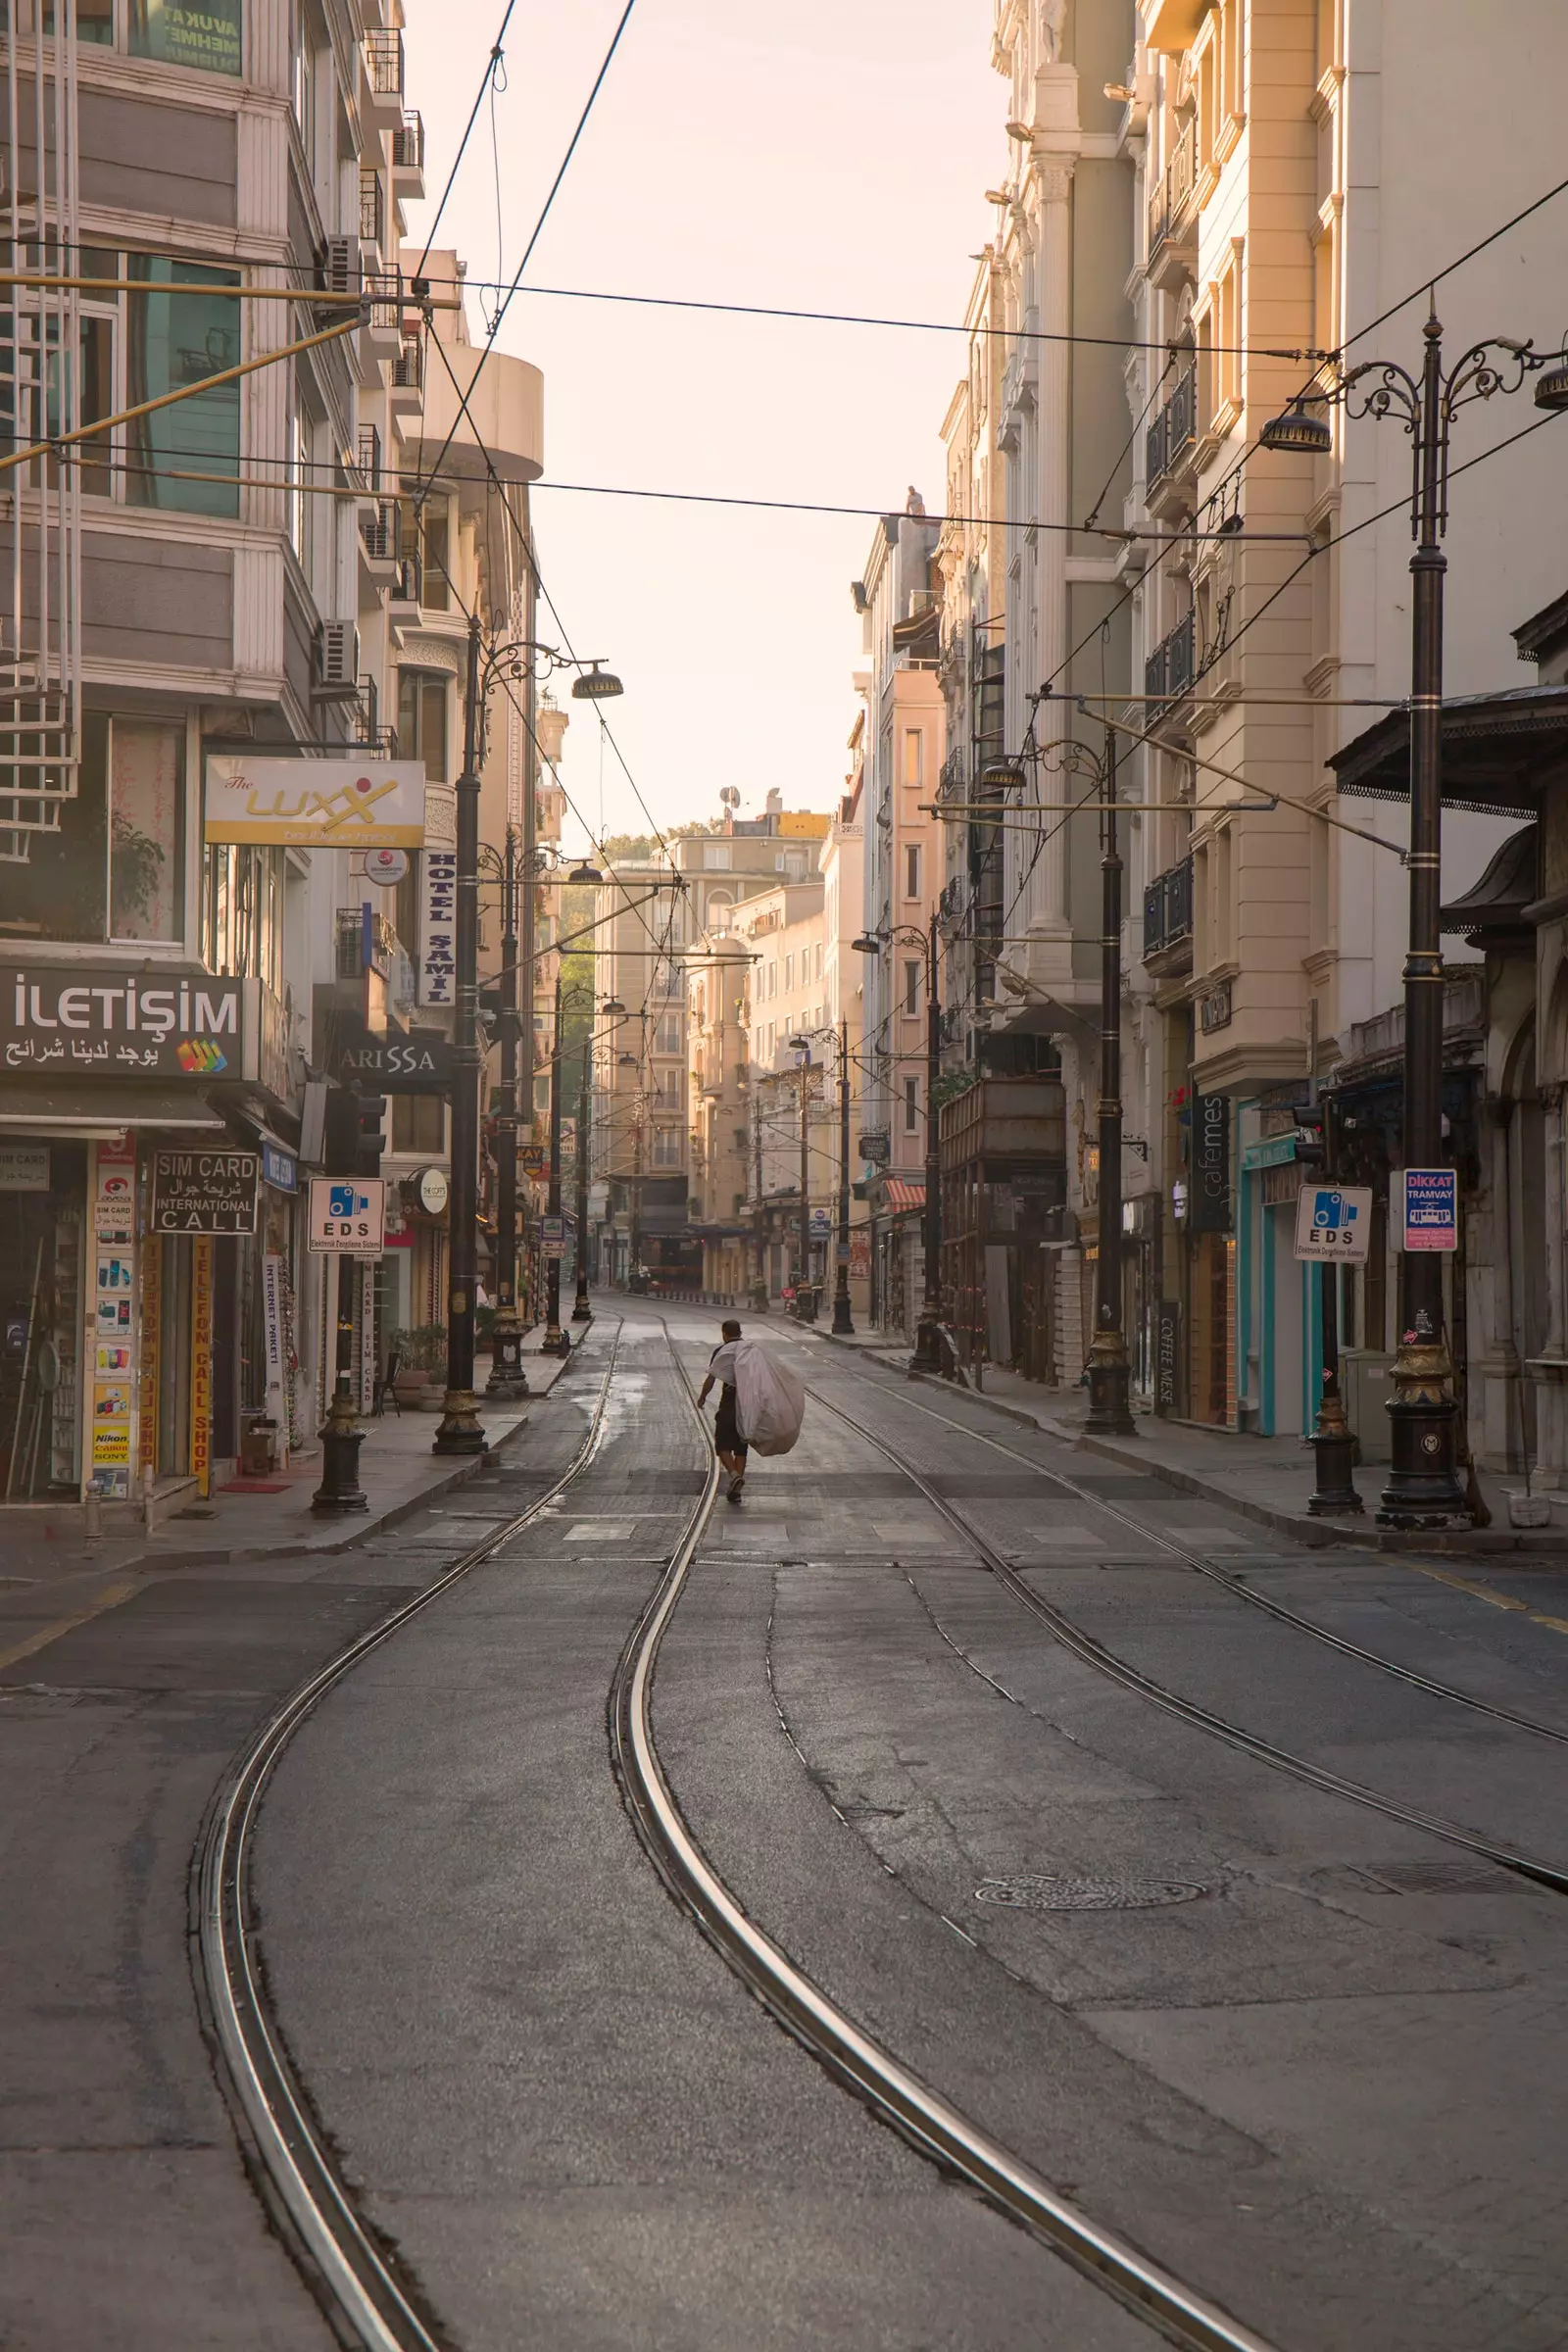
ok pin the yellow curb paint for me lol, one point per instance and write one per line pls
(109, 1598)
(1497, 1600)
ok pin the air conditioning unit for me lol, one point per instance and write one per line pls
(338, 661)
(340, 266)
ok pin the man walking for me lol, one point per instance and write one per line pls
(728, 1443)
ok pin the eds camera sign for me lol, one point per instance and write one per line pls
(348, 1215)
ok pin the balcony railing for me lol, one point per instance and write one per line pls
(408, 144)
(382, 530)
(383, 60)
(365, 942)
(1174, 430)
(370, 459)
(408, 582)
(1169, 196)
(372, 209)
(1168, 908)
(407, 368)
(1171, 667)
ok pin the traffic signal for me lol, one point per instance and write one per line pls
(341, 1144)
(371, 1115)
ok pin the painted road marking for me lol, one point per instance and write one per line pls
(109, 1598)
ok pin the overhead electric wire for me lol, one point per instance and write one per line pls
(544, 214)
(467, 133)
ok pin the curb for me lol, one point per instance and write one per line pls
(460, 1475)
(1316, 1534)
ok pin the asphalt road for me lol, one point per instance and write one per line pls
(1304, 2055)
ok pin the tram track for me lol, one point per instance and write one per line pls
(1116, 1669)
(935, 2127)
(364, 2290)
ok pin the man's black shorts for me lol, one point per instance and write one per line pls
(727, 1438)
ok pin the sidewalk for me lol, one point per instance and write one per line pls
(1265, 1479)
(261, 1518)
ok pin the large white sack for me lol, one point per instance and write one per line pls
(770, 1400)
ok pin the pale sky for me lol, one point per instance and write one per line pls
(832, 154)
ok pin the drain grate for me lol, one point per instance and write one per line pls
(1032, 1892)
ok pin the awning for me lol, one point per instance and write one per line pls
(899, 1195)
(1498, 751)
(29, 1108)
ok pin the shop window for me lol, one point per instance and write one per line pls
(420, 1124)
(146, 829)
(242, 912)
(207, 37)
(60, 890)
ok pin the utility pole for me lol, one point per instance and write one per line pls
(582, 1311)
(635, 1259)
(805, 1304)
(529, 926)
(555, 1342)
(460, 1430)
(508, 1378)
(1109, 1407)
(843, 1326)
(928, 1337)
(760, 1277)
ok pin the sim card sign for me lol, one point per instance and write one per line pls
(348, 1215)
(1334, 1223)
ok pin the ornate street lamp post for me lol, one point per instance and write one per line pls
(929, 1351)
(843, 1323)
(1424, 1489)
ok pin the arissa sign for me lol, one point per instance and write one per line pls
(355, 803)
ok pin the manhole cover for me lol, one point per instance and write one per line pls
(1035, 1893)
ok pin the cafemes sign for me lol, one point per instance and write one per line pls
(205, 1191)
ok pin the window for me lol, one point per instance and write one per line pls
(175, 339)
(911, 1106)
(294, 498)
(914, 755)
(175, 33)
(911, 871)
(146, 829)
(911, 987)
(420, 1124)
(789, 975)
(819, 960)
(422, 720)
(667, 1037)
(666, 1146)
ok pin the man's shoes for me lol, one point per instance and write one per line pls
(737, 1481)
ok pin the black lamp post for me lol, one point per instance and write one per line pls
(582, 1310)
(508, 1378)
(843, 1323)
(460, 1430)
(1424, 1489)
(929, 1352)
(1109, 1404)
(805, 1300)
(555, 1342)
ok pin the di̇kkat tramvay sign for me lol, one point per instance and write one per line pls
(353, 803)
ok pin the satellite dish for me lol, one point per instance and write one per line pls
(730, 797)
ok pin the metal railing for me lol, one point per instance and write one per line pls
(408, 143)
(1168, 908)
(409, 581)
(383, 60)
(381, 529)
(1173, 187)
(1171, 667)
(373, 208)
(407, 368)
(1174, 430)
(369, 457)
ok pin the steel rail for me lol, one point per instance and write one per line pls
(1201, 1565)
(282, 2143)
(1117, 1669)
(936, 2127)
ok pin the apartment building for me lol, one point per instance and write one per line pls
(224, 641)
(903, 872)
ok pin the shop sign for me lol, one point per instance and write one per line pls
(280, 1168)
(96, 1021)
(419, 1064)
(438, 898)
(552, 1237)
(1272, 1153)
(114, 1207)
(115, 1392)
(201, 1363)
(431, 1191)
(207, 37)
(354, 803)
(1334, 1223)
(532, 1158)
(1211, 1204)
(1167, 1356)
(204, 1191)
(348, 1215)
(24, 1167)
(1424, 1206)
(1214, 1009)
(876, 1146)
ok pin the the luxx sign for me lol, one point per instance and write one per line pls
(205, 1191)
(92, 1019)
(353, 803)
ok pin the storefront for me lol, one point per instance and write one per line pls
(130, 1208)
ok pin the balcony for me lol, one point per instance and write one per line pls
(408, 156)
(380, 530)
(372, 209)
(1173, 435)
(407, 586)
(1171, 667)
(1170, 205)
(407, 381)
(381, 54)
(1168, 915)
(369, 458)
